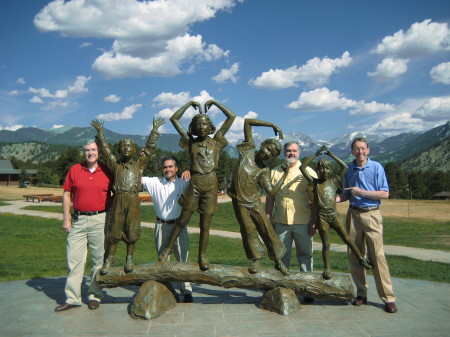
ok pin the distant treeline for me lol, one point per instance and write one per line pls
(403, 184)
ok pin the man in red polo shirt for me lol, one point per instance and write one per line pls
(88, 186)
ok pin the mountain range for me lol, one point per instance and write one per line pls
(385, 149)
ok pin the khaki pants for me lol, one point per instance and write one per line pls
(180, 248)
(303, 244)
(368, 227)
(87, 232)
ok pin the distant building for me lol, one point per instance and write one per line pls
(441, 196)
(9, 176)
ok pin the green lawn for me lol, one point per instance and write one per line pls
(35, 247)
(410, 232)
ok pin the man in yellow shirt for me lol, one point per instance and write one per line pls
(290, 211)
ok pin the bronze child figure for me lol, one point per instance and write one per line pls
(249, 176)
(201, 194)
(125, 216)
(324, 196)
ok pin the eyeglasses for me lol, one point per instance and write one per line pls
(356, 149)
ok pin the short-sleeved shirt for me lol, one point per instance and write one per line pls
(204, 155)
(292, 201)
(91, 191)
(165, 195)
(370, 177)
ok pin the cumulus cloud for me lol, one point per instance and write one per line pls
(236, 131)
(151, 38)
(389, 69)
(36, 100)
(322, 99)
(397, 123)
(20, 80)
(441, 73)
(227, 74)
(172, 102)
(112, 98)
(79, 86)
(420, 39)
(55, 104)
(85, 44)
(435, 109)
(126, 113)
(14, 92)
(315, 73)
(57, 126)
(12, 127)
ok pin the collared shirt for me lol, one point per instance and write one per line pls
(204, 155)
(370, 177)
(90, 191)
(165, 195)
(292, 201)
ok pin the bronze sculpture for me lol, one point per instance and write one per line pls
(125, 216)
(201, 194)
(249, 176)
(324, 196)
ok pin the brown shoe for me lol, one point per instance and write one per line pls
(66, 306)
(390, 307)
(359, 301)
(93, 304)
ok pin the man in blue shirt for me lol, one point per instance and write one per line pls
(365, 185)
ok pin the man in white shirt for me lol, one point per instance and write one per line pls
(165, 192)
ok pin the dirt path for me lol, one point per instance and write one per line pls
(424, 209)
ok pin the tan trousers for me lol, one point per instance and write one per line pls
(87, 232)
(180, 248)
(368, 227)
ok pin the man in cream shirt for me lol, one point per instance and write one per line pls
(290, 211)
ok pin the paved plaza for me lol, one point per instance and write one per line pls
(27, 309)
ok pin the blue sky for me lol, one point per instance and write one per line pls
(322, 67)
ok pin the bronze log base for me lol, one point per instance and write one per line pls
(339, 288)
(153, 299)
(281, 301)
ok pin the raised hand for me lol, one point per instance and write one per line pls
(157, 122)
(97, 125)
(322, 148)
(278, 131)
(209, 104)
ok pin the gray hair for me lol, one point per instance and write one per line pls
(89, 142)
(287, 144)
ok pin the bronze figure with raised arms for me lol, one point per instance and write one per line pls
(125, 216)
(201, 194)
(324, 196)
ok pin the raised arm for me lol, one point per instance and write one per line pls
(249, 123)
(230, 115)
(150, 145)
(175, 119)
(308, 161)
(267, 185)
(104, 145)
(340, 162)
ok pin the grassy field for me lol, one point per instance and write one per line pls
(35, 247)
(408, 232)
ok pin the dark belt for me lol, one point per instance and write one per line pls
(169, 222)
(365, 209)
(89, 213)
